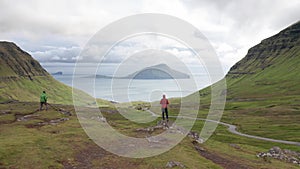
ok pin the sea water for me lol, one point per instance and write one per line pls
(124, 90)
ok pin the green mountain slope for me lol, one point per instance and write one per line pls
(23, 78)
(270, 68)
(15, 62)
(263, 91)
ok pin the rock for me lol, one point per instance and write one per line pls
(150, 129)
(103, 119)
(199, 149)
(195, 136)
(138, 107)
(275, 150)
(268, 154)
(163, 123)
(113, 102)
(235, 146)
(59, 120)
(259, 155)
(53, 122)
(172, 164)
(99, 118)
(157, 140)
(163, 126)
(27, 117)
(159, 122)
(293, 153)
(283, 155)
(65, 112)
(5, 112)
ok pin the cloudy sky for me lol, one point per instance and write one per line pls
(57, 30)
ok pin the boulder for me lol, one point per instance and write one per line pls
(283, 155)
(195, 136)
(65, 112)
(172, 164)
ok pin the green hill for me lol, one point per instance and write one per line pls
(263, 91)
(17, 63)
(270, 68)
(23, 78)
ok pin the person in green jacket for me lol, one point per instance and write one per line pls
(43, 100)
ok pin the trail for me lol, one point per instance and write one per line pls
(232, 129)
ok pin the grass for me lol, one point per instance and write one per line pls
(24, 89)
(26, 147)
(57, 146)
(265, 103)
(53, 145)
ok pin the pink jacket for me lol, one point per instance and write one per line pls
(164, 103)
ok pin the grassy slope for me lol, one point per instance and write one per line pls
(267, 102)
(25, 145)
(24, 89)
(16, 62)
(263, 90)
(23, 78)
(58, 146)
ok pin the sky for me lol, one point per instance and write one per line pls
(57, 30)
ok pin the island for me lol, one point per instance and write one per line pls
(160, 71)
(57, 73)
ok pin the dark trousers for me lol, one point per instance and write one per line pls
(43, 103)
(164, 111)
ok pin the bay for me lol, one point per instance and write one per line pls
(124, 90)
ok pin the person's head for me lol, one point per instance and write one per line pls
(164, 96)
(44, 92)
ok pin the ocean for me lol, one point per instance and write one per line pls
(124, 90)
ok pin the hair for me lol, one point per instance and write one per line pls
(44, 92)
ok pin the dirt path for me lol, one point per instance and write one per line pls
(232, 129)
(214, 157)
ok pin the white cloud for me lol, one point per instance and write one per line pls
(56, 30)
(129, 47)
(57, 54)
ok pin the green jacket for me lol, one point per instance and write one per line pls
(43, 97)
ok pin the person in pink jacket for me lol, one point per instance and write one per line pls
(164, 107)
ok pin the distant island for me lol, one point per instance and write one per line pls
(160, 71)
(57, 73)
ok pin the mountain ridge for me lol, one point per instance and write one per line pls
(259, 55)
(23, 78)
(16, 62)
(262, 95)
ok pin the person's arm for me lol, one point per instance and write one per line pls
(167, 101)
